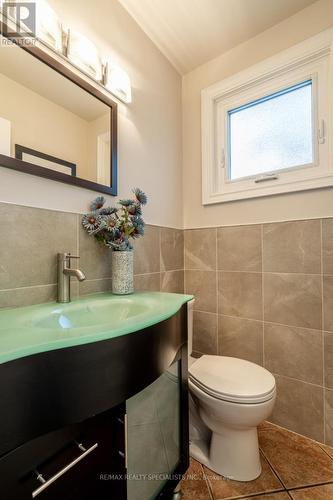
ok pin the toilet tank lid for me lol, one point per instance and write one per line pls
(232, 377)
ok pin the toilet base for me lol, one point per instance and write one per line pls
(233, 453)
(199, 451)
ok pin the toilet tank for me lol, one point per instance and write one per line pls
(190, 308)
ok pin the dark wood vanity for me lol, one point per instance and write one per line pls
(64, 414)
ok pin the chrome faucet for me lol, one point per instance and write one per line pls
(64, 276)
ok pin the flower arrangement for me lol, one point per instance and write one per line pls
(114, 227)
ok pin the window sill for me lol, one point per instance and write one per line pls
(271, 188)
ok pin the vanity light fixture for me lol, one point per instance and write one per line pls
(78, 50)
(118, 82)
(48, 26)
(84, 54)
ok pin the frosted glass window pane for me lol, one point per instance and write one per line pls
(271, 134)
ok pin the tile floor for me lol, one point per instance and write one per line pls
(293, 467)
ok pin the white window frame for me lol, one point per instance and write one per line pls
(312, 59)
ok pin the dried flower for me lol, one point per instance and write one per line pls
(135, 209)
(110, 222)
(91, 222)
(97, 203)
(114, 227)
(108, 211)
(126, 203)
(140, 196)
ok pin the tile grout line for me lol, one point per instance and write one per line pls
(235, 271)
(272, 467)
(263, 295)
(79, 214)
(27, 287)
(322, 327)
(184, 265)
(210, 490)
(260, 495)
(185, 270)
(318, 386)
(235, 317)
(288, 326)
(321, 446)
(160, 272)
(254, 495)
(217, 296)
(160, 256)
(264, 223)
(268, 322)
(296, 434)
(308, 486)
(314, 442)
(98, 279)
(261, 321)
(303, 382)
(289, 378)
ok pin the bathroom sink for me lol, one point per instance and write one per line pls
(95, 313)
(33, 329)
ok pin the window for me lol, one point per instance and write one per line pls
(265, 130)
(272, 133)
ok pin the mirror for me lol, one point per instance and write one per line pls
(54, 123)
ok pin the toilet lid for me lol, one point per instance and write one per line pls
(232, 379)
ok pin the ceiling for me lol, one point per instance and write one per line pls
(191, 32)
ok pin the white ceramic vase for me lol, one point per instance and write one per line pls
(122, 273)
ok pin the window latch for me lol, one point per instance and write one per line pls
(321, 132)
(268, 177)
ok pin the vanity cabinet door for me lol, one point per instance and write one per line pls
(81, 462)
(154, 438)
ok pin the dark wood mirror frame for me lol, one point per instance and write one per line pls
(30, 168)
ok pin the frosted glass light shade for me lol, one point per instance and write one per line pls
(119, 83)
(48, 25)
(272, 133)
(83, 53)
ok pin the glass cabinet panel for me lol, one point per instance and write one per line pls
(153, 435)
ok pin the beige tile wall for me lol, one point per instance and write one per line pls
(31, 238)
(265, 293)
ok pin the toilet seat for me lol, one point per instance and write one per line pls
(232, 379)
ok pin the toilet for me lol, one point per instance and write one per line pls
(229, 398)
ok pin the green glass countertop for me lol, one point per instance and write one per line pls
(40, 328)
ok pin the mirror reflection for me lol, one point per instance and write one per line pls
(49, 121)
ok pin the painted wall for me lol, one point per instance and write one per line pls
(149, 129)
(307, 204)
